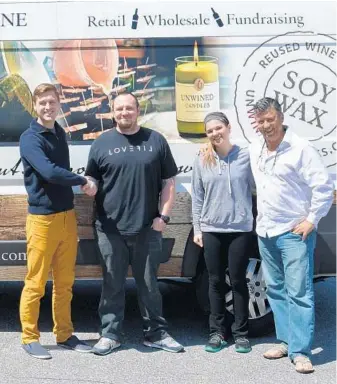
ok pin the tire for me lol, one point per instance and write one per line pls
(261, 320)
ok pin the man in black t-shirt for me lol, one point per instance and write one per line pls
(134, 171)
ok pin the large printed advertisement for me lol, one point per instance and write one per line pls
(215, 58)
(181, 61)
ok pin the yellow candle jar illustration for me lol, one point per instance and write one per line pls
(197, 92)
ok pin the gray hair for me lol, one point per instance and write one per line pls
(216, 116)
(264, 104)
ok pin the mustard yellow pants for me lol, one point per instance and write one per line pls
(51, 246)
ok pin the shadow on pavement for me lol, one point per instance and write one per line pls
(186, 322)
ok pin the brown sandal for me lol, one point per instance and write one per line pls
(303, 364)
(277, 352)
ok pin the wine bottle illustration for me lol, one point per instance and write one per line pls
(217, 18)
(135, 18)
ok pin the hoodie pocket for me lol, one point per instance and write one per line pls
(241, 213)
(236, 214)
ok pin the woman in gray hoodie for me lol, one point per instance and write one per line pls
(222, 185)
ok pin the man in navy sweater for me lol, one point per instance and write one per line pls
(51, 226)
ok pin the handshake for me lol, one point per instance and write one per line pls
(90, 188)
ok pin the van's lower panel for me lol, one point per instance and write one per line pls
(13, 259)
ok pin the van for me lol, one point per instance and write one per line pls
(181, 62)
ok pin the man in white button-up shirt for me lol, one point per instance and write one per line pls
(294, 192)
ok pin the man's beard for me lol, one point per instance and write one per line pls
(126, 126)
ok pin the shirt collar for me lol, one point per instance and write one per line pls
(41, 129)
(287, 138)
(287, 135)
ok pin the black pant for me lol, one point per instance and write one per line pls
(222, 250)
(142, 251)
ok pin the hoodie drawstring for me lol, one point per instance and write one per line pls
(229, 176)
(219, 166)
(228, 172)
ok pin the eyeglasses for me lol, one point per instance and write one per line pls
(266, 167)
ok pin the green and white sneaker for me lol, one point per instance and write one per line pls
(216, 343)
(242, 345)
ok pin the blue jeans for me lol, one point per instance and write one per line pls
(287, 265)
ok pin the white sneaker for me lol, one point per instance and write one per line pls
(167, 344)
(104, 346)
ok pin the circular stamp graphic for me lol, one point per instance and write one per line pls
(199, 84)
(297, 69)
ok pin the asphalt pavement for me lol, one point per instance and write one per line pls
(137, 364)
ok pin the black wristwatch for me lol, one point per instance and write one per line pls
(166, 219)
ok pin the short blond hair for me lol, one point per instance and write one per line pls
(43, 88)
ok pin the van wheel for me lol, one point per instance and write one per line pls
(261, 320)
